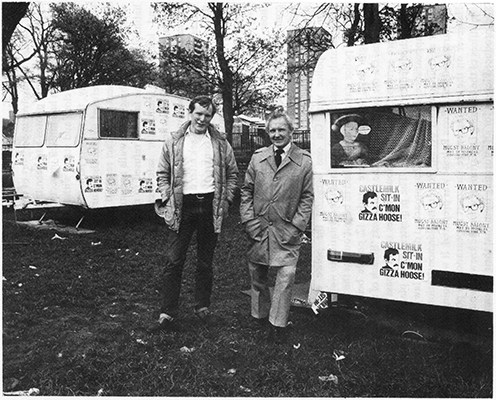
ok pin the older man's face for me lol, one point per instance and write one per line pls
(279, 132)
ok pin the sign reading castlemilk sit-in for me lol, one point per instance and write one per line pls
(94, 147)
(402, 148)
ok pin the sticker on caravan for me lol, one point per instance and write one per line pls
(148, 127)
(335, 200)
(90, 155)
(472, 209)
(41, 164)
(162, 106)
(127, 184)
(19, 158)
(402, 261)
(178, 111)
(145, 185)
(69, 164)
(431, 210)
(93, 184)
(380, 203)
(463, 132)
(111, 184)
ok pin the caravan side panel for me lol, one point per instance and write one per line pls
(122, 141)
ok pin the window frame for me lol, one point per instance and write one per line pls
(433, 168)
(99, 122)
(80, 113)
(45, 116)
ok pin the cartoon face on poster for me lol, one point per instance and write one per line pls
(111, 184)
(334, 205)
(380, 203)
(402, 261)
(178, 110)
(19, 158)
(472, 203)
(42, 163)
(69, 164)
(431, 206)
(162, 106)
(90, 155)
(462, 128)
(145, 185)
(92, 184)
(148, 106)
(126, 184)
(147, 127)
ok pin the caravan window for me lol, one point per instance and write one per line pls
(118, 124)
(382, 137)
(30, 131)
(63, 130)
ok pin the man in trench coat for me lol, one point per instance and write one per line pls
(276, 204)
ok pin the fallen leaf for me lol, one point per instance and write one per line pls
(330, 378)
(58, 237)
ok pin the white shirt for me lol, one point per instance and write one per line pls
(198, 163)
(285, 150)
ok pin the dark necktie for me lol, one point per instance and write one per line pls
(278, 157)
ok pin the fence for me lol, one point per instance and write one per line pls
(246, 143)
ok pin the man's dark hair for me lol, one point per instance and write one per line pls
(390, 252)
(367, 196)
(203, 101)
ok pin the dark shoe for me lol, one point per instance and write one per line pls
(260, 323)
(163, 324)
(278, 335)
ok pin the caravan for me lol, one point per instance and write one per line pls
(402, 147)
(94, 147)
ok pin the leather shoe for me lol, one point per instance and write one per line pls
(278, 335)
(260, 323)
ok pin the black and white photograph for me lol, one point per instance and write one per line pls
(247, 199)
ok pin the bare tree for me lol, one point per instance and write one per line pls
(12, 13)
(240, 59)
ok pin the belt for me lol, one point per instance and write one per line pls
(199, 196)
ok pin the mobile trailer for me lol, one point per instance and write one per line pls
(405, 212)
(94, 147)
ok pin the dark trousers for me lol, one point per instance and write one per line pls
(196, 215)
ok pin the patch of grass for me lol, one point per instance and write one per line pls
(74, 315)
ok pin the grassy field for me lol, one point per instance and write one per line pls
(74, 312)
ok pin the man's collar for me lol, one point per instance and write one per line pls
(188, 131)
(285, 148)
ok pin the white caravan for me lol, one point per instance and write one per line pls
(402, 148)
(94, 147)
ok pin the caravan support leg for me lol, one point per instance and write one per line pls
(40, 221)
(79, 223)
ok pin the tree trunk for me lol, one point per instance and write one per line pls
(12, 13)
(406, 31)
(372, 22)
(227, 75)
(354, 27)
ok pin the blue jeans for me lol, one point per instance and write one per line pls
(196, 215)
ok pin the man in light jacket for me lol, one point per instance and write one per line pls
(197, 178)
(276, 204)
